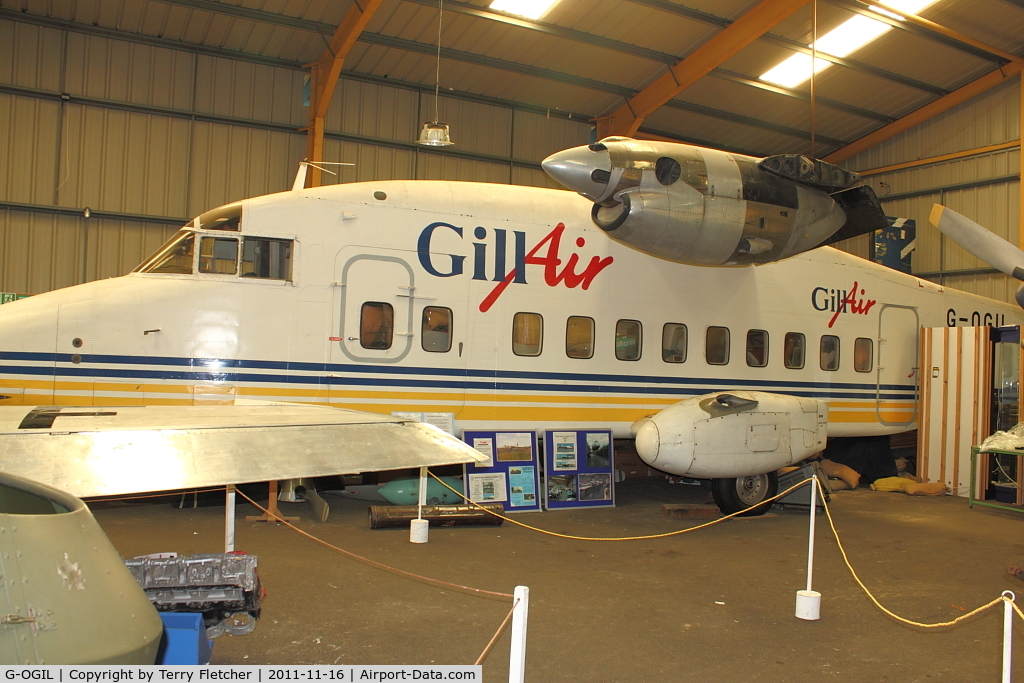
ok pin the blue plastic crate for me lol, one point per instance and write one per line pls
(185, 640)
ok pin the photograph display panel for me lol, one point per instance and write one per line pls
(578, 468)
(511, 475)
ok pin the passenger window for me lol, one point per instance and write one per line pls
(716, 346)
(673, 343)
(527, 334)
(863, 354)
(628, 340)
(757, 348)
(267, 258)
(829, 352)
(436, 335)
(218, 255)
(579, 337)
(794, 351)
(376, 325)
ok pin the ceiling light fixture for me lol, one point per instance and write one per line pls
(531, 9)
(849, 36)
(435, 134)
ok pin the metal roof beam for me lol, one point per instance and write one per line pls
(958, 96)
(553, 30)
(927, 29)
(324, 75)
(795, 46)
(252, 58)
(748, 121)
(495, 63)
(627, 119)
(801, 95)
(570, 34)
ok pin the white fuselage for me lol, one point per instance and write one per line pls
(178, 338)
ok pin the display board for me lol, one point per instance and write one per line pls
(578, 468)
(511, 476)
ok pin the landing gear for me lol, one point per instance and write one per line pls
(745, 493)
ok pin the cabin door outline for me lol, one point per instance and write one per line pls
(376, 278)
(895, 356)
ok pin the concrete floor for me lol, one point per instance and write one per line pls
(716, 605)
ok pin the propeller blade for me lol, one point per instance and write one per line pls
(989, 247)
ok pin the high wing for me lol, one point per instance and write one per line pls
(96, 450)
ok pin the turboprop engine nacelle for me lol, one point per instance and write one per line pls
(732, 434)
(712, 208)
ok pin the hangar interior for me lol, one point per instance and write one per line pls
(150, 113)
(124, 120)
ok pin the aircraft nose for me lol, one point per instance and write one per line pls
(583, 169)
(648, 441)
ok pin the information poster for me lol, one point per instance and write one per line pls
(578, 468)
(512, 475)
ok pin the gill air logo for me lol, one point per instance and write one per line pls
(546, 253)
(840, 301)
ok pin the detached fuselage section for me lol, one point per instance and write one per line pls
(713, 208)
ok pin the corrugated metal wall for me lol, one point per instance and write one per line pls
(147, 137)
(986, 188)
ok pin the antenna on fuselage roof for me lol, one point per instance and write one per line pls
(300, 177)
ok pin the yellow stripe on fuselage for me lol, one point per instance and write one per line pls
(477, 406)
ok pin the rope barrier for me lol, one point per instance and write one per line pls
(379, 565)
(497, 634)
(879, 605)
(480, 591)
(832, 525)
(621, 538)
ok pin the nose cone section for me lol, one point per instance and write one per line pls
(581, 169)
(648, 441)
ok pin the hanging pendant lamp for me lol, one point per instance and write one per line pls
(435, 134)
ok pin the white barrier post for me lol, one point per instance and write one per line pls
(229, 518)
(808, 602)
(1008, 599)
(517, 657)
(419, 527)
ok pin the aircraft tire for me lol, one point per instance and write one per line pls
(736, 494)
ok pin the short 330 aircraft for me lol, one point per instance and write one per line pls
(511, 308)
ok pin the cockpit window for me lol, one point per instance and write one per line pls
(222, 218)
(267, 258)
(174, 257)
(218, 255)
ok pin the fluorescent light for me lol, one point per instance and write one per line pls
(849, 36)
(531, 9)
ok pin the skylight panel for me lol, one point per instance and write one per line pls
(531, 9)
(846, 38)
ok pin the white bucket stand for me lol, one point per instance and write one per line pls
(808, 602)
(419, 527)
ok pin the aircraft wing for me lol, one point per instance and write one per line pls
(99, 450)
